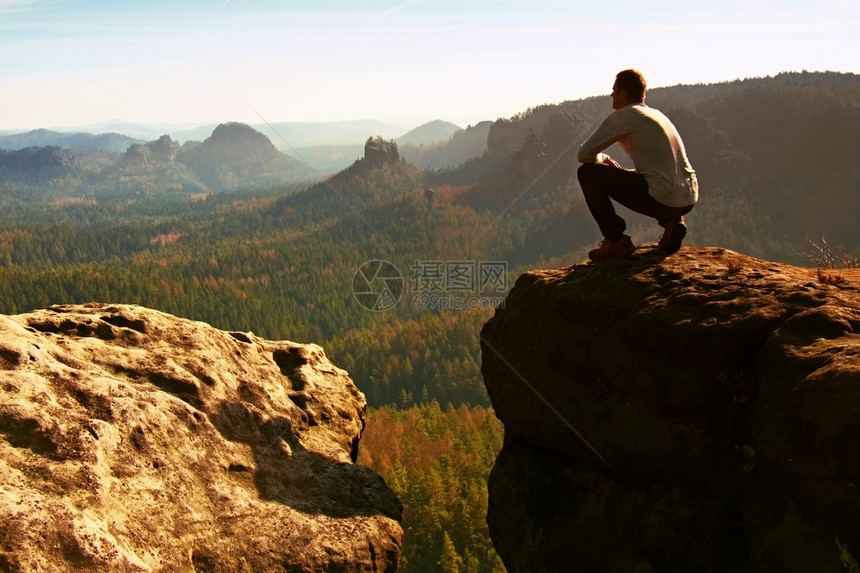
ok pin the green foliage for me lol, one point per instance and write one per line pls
(407, 361)
(276, 262)
(846, 559)
(437, 463)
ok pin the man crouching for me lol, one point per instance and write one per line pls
(663, 184)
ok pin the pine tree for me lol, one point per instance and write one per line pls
(450, 561)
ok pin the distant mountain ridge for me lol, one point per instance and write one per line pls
(111, 142)
(430, 132)
(325, 147)
(765, 150)
(116, 136)
(235, 155)
(461, 146)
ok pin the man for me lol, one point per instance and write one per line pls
(663, 185)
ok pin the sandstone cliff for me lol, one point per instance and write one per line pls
(132, 440)
(162, 150)
(379, 153)
(698, 412)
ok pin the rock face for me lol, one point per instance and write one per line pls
(41, 162)
(698, 412)
(380, 153)
(132, 440)
(162, 150)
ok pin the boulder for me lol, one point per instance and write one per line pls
(132, 440)
(693, 412)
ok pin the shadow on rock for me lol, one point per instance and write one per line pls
(289, 473)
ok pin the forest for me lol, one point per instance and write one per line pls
(436, 461)
(776, 165)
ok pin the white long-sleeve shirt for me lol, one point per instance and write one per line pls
(655, 147)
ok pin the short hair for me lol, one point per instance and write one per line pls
(633, 82)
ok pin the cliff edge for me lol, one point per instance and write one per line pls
(132, 440)
(696, 412)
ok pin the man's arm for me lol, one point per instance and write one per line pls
(608, 133)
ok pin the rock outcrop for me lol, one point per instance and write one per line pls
(380, 153)
(162, 150)
(38, 162)
(132, 440)
(698, 412)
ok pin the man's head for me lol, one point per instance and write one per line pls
(629, 88)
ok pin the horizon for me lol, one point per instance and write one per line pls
(117, 125)
(70, 64)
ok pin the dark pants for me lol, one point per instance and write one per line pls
(600, 183)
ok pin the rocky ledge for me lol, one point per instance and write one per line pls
(132, 440)
(697, 412)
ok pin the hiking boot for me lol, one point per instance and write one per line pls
(609, 249)
(673, 234)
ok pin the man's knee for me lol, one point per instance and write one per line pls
(585, 173)
(584, 170)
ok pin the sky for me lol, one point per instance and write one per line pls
(68, 63)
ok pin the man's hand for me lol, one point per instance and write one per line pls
(606, 160)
